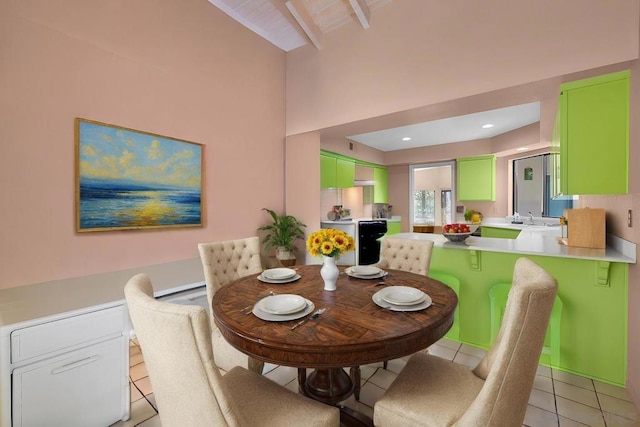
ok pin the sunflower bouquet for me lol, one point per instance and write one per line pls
(329, 242)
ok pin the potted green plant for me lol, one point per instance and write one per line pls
(282, 234)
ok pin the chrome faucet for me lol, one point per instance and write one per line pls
(531, 221)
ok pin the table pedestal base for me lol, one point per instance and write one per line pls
(332, 386)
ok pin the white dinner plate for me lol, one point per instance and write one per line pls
(402, 295)
(282, 304)
(278, 273)
(365, 270)
(276, 281)
(283, 317)
(377, 298)
(350, 273)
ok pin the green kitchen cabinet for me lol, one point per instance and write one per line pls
(594, 135)
(327, 171)
(477, 178)
(502, 233)
(593, 322)
(336, 172)
(345, 173)
(381, 185)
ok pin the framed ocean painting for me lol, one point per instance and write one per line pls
(129, 179)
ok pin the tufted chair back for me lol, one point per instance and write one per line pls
(409, 255)
(224, 262)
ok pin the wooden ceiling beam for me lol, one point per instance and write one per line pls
(306, 22)
(362, 12)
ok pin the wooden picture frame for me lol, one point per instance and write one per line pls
(128, 179)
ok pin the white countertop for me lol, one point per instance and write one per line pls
(40, 300)
(356, 220)
(536, 243)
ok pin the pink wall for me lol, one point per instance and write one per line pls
(422, 52)
(302, 194)
(179, 68)
(352, 149)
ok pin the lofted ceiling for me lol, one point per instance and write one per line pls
(290, 24)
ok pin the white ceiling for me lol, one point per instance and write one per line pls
(453, 129)
(294, 23)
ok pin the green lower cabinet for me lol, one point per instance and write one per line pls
(393, 227)
(502, 233)
(592, 332)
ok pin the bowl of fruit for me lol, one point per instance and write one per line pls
(457, 232)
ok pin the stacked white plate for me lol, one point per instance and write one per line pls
(282, 307)
(402, 298)
(365, 272)
(278, 275)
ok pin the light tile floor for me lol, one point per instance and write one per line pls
(557, 399)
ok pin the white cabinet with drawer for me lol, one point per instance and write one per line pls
(67, 371)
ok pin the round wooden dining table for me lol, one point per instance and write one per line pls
(353, 330)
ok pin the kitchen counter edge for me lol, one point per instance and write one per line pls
(617, 250)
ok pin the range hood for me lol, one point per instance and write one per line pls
(363, 183)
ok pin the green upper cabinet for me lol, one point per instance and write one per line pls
(327, 171)
(336, 173)
(381, 185)
(594, 135)
(345, 173)
(554, 157)
(477, 178)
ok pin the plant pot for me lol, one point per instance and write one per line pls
(288, 262)
(283, 254)
(285, 257)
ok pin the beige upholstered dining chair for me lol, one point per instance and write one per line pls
(190, 390)
(431, 391)
(224, 262)
(410, 255)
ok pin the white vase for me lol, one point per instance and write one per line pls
(329, 273)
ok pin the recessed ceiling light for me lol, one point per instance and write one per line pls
(487, 126)
(406, 138)
(522, 148)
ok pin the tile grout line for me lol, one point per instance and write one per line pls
(555, 399)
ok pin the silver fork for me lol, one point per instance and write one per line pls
(249, 309)
(313, 316)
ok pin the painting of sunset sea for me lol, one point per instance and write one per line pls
(128, 179)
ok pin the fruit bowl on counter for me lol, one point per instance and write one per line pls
(457, 232)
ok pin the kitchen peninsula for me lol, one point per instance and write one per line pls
(591, 337)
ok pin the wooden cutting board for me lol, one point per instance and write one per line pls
(586, 228)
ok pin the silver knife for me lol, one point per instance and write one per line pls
(313, 316)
